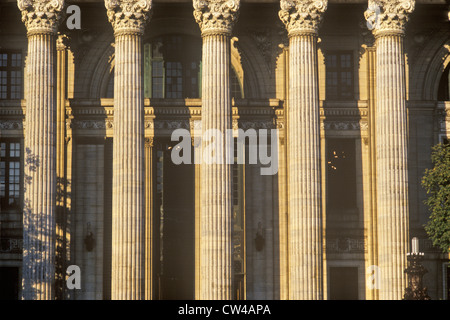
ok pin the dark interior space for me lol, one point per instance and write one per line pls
(174, 227)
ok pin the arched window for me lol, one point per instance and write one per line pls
(173, 69)
(444, 86)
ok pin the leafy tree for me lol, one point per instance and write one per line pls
(436, 182)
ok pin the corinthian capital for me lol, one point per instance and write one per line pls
(128, 16)
(302, 16)
(41, 16)
(216, 16)
(388, 16)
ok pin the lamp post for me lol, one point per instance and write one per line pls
(415, 272)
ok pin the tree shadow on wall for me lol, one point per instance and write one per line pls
(43, 265)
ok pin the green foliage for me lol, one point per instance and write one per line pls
(436, 182)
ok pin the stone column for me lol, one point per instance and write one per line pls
(389, 19)
(216, 19)
(38, 274)
(302, 19)
(128, 18)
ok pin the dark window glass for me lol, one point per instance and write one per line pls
(238, 226)
(11, 75)
(339, 76)
(444, 86)
(110, 88)
(341, 173)
(173, 68)
(236, 91)
(10, 170)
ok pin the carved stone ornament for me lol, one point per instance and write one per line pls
(149, 142)
(386, 17)
(41, 16)
(62, 42)
(302, 16)
(216, 16)
(128, 16)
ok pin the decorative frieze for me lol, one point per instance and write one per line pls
(11, 245)
(11, 124)
(344, 125)
(93, 124)
(346, 245)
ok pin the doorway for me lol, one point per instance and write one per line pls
(343, 283)
(9, 283)
(174, 227)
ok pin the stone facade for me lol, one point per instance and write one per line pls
(98, 188)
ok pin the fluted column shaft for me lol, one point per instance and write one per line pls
(389, 19)
(216, 19)
(216, 179)
(40, 171)
(305, 200)
(305, 195)
(128, 213)
(38, 273)
(392, 166)
(128, 171)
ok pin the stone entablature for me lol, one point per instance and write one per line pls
(95, 114)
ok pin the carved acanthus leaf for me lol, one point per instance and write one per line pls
(128, 16)
(388, 16)
(216, 16)
(302, 16)
(41, 16)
